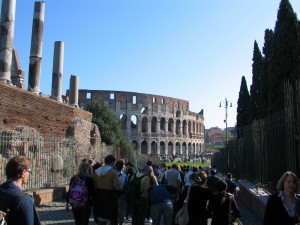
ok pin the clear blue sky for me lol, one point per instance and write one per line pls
(196, 50)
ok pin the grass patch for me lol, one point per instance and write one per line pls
(196, 164)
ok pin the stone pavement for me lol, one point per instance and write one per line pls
(54, 213)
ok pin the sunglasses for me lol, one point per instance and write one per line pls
(28, 170)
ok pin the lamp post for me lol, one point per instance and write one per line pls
(226, 104)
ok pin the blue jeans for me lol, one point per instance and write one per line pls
(164, 209)
(139, 209)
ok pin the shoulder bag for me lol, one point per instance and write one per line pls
(182, 215)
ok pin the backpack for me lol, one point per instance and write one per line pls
(4, 213)
(134, 187)
(79, 193)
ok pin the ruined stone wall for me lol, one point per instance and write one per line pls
(22, 108)
(155, 124)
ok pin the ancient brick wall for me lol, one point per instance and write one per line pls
(21, 108)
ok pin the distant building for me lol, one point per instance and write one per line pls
(215, 135)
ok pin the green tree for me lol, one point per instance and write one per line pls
(243, 107)
(284, 55)
(257, 70)
(267, 51)
(109, 126)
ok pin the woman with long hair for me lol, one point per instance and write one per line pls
(81, 194)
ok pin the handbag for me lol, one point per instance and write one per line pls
(182, 215)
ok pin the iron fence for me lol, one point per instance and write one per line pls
(267, 147)
(54, 160)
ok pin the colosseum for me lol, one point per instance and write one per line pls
(155, 124)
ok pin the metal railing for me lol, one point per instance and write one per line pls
(54, 160)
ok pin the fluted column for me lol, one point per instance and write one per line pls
(36, 48)
(74, 82)
(8, 11)
(57, 73)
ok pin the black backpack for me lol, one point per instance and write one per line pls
(134, 187)
(4, 213)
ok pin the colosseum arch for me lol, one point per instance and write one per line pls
(177, 127)
(134, 145)
(134, 121)
(184, 127)
(184, 149)
(144, 147)
(170, 148)
(171, 125)
(177, 152)
(154, 148)
(154, 124)
(163, 124)
(162, 148)
(189, 149)
(160, 119)
(123, 121)
(144, 110)
(144, 124)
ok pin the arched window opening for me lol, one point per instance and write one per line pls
(171, 125)
(178, 114)
(184, 127)
(163, 124)
(144, 110)
(133, 122)
(162, 149)
(123, 121)
(177, 127)
(170, 149)
(144, 124)
(134, 145)
(144, 148)
(178, 149)
(154, 148)
(154, 125)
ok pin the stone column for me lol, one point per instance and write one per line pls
(36, 48)
(74, 81)
(58, 61)
(8, 11)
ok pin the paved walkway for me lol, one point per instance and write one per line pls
(54, 213)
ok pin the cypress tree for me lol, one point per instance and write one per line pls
(242, 117)
(267, 51)
(255, 89)
(284, 57)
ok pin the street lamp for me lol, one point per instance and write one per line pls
(226, 103)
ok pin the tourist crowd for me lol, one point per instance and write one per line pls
(154, 193)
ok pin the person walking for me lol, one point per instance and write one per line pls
(107, 185)
(122, 197)
(161, 201)
(282, 206)
(198, 198)
(232, 187)
(17, 204)
(81, 194)
(139, 202)
(222, 208)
